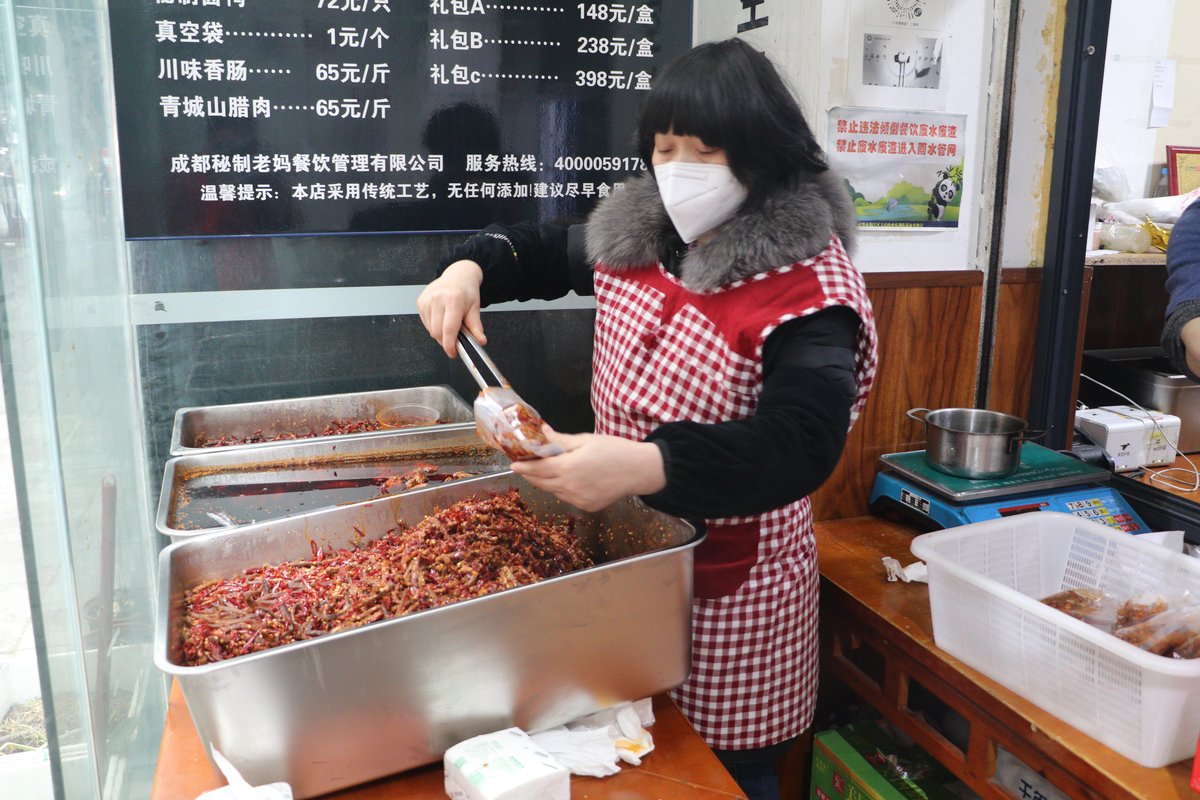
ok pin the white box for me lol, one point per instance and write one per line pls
(1161, 434)
(505, 765)
(1121, 436)
(986, 581)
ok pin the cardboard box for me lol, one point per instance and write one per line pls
(861, 761)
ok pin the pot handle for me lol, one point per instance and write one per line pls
(912, 414)
(1026, 436)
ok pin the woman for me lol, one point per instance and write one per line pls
(1181, 331)
(734, 347)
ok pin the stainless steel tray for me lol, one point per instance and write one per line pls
(356, 705)
(217, 490)
(304, 414)
(1144, 375)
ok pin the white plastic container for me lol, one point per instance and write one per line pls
(1162, 434)
(1121, 436)
(985, 584)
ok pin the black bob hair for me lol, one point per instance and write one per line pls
(730, 95)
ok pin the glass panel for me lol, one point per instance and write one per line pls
(72, 401)
(24, 752)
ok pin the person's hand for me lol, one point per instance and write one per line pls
(596, 471)
(452, 302)
(1190, 334)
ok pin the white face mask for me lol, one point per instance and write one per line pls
(698, 197)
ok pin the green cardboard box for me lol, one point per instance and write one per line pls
(861, 761)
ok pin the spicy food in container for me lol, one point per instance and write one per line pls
(474, 547)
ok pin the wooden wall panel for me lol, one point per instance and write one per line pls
(1129, 304)
(1013, 341)
(928, 327)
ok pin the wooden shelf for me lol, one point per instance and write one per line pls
(1127, 259)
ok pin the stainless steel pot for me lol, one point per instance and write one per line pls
(972, 442)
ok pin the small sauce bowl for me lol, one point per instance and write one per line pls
(406, 415)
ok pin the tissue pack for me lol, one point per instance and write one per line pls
(506, 765)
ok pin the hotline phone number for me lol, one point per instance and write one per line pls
(600, 163)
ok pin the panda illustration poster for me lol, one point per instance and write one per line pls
(904, 169)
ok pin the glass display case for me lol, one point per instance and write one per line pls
(73, 413)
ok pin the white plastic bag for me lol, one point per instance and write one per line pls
(239, 788)
(1109, 182)
(1158, 209)
(591, 745)
(508, 423)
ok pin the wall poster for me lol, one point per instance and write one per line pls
(258, 117)
(897, 53)
(904, 169)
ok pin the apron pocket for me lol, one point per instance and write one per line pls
(724, 559)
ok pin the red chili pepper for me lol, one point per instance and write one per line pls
(472, 548)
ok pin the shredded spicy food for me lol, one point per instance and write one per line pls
(420, 476)
(472, 548)
(335, 427)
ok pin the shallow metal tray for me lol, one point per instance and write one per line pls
(356, 705)
(451, 447)
(304, 414)
(1146, 376)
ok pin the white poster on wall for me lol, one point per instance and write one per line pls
(904, 169)
(911, 14)
(897, 53)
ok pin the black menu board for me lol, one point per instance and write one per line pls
(259, 117)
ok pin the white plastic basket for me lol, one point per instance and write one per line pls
(985, 584)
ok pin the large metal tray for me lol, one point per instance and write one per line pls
(450, 447)
(304, 414)
(356, 705)
(1146, 376)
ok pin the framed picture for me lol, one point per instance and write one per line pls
(1183, 169)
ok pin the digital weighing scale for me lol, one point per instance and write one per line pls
(1045, 480)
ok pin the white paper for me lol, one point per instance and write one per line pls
(897, 52)
(927, 14)
(1172, 540)
(1162, 96)
(915, 572)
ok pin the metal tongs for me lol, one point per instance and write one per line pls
(502, 418)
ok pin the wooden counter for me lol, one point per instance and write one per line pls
(1181, 483)
(878, 641)
(680, 766)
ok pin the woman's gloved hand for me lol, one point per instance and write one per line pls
(452, 302)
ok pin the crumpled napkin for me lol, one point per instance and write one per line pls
(593, 744)
(915, 572)
(239, 788)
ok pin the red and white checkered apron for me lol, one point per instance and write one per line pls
(664, 353)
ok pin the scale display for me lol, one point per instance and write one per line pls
(1046, 480)
(1097, 503)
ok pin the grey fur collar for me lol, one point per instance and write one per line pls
(628, 227)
